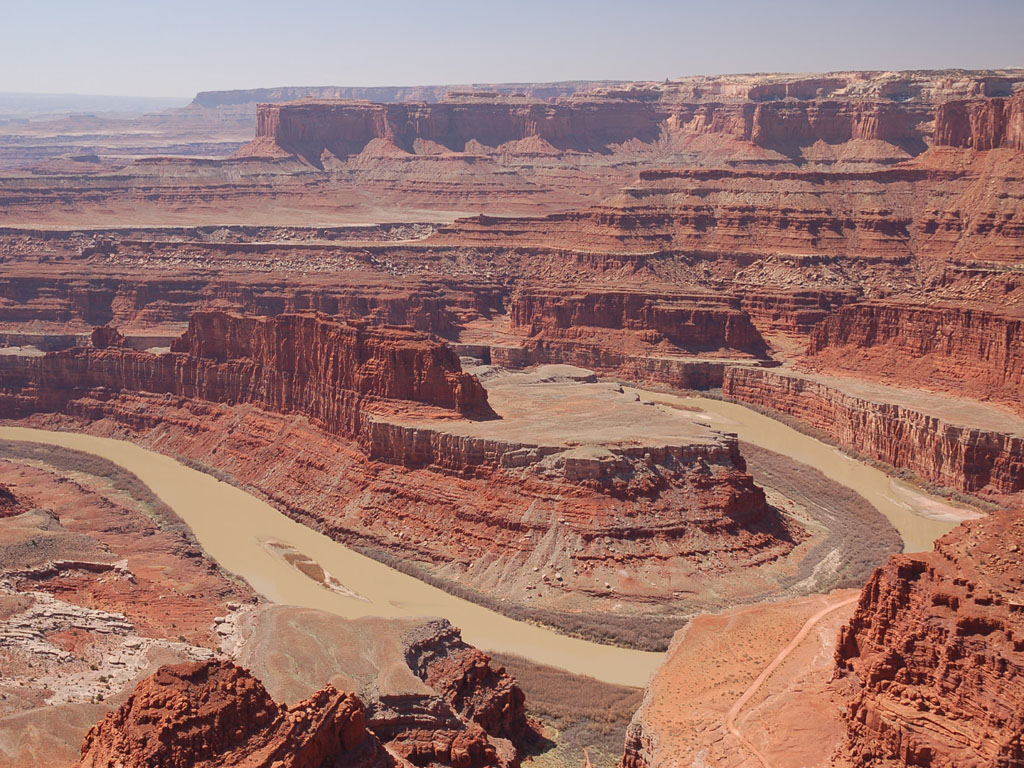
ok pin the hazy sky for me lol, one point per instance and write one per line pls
(156, 48)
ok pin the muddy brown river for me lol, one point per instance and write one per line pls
(257, 542)
(234, 528)
(919, 517)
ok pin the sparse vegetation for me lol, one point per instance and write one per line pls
(860, 535)
(69, 460)
(584, 712)
(645, 633)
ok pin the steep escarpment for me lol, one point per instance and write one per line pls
(981, 123)
(216, 714)
(292, 363)
(344, 128)
(928, 435)
(689, 322)
(968, 350)
(781, 114)
(933, 654)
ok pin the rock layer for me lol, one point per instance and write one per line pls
(974, 460)
(967, 350)
(293, 363)
(933, 654)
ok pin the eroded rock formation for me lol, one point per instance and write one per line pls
(216, 714)
(292, 363)
(926, 435)
(966, 350)
(933, 654)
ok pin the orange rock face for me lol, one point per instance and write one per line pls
(976, 460)
(934, 654)
(981, 124)
(293, 363)
(967, 350)
(462, 675)
(216, 714)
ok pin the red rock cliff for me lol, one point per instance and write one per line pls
(692, 322)
(305, 364)
(935, 654)
(981, 123)
(969, 350)
(345, 127)
(968, 459)
(215, 714)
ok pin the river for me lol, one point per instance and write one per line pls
(919, 517)
(234, 528)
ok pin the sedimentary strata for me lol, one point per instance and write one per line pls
(930, 436)
(293, 363)
(576, 515)
(967, 350)
(933, 654)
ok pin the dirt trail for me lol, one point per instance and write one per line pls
(730, 718)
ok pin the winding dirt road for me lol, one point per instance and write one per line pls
(730, 718)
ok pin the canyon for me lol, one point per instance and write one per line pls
(460, 330)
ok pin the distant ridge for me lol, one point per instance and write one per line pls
(388, 94)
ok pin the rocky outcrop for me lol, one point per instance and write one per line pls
(934, 654)
(293, 363)
(689, 322)
(106, 336)
(970, 350)
(981, 123)
(216, 714)
(10, 504)
(429, 697)
(975, 460)
(464, 676)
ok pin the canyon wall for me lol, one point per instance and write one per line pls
(154, 302)
(981, 124)
(933, 654)
(691, 322)
(968, 350)
(346, 128)
(974, 460)
(782, 115)
(305, 364)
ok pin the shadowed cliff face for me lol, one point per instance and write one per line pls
(934, 653)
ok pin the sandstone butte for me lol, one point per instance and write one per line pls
(842, 250)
